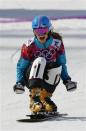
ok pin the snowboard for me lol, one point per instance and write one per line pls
(42, 117)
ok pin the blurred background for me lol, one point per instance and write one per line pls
(68, 17)
(16, 16)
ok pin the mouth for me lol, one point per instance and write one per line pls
(42, 37)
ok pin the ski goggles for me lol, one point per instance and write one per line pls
(41, 31)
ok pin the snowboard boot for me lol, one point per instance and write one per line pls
(35, 103)
(40, 101)
(48, 104)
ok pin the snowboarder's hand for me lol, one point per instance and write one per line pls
(18, 88)
(70, 85)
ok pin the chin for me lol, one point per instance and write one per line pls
(42, 41)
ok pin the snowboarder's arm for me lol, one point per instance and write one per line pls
(70, 85)
(23, 64)
(61, 60)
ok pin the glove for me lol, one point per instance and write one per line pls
(18, 88)
(70, 85)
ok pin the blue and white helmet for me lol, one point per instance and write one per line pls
(41, 22)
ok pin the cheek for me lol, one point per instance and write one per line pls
(37, 37)
(34, 32)
(46, 36)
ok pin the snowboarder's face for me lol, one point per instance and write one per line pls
(41, 34)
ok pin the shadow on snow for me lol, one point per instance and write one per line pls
(65, 117)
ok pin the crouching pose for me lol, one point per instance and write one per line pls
(41, 65)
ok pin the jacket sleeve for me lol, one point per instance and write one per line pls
(22, 65)
(61, 60)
